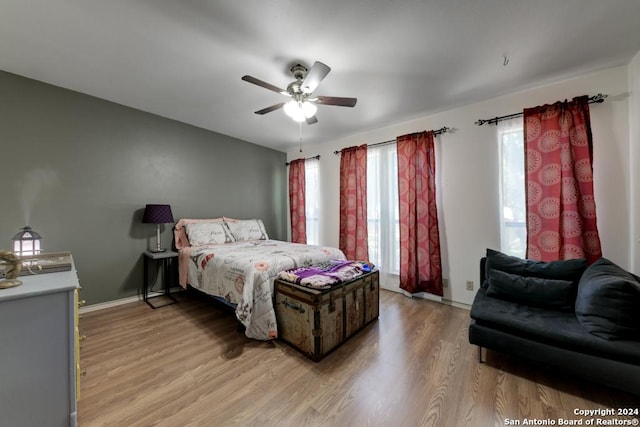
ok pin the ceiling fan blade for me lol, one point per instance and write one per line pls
(336, 100)
(314, 76)
(264, 85)
(270, 109)
(311, 120)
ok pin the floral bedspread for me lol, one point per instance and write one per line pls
(243, 272)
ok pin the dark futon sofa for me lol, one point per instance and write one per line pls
(583, 320)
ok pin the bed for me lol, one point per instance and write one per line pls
(234, 260)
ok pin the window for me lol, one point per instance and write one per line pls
(513, 233)
(312, 200)
(383, 220)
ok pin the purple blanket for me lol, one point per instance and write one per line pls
(326, 274)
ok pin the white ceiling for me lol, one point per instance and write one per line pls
(400, 58)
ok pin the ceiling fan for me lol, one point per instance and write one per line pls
(302, 106)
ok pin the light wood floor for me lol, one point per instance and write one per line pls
(187, 365)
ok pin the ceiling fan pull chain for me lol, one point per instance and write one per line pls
(300, 130)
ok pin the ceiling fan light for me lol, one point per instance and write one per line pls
(290, 107)
(294, 110)
(309, 109)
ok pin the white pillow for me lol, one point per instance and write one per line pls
(208, 233)
(247, 229)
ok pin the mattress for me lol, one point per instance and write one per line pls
(242, 273)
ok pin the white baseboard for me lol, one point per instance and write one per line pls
(456, 304)
(122, 301)
(423, 295)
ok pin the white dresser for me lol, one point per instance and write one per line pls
(39, 351)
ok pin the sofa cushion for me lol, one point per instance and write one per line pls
(534, 291)
(608, 301)
(570, 269)
(553, 327)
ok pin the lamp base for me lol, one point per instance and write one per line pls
(158, 249)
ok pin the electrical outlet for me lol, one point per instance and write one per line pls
(469, 285)
(445, 283)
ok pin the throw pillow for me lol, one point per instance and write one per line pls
(608, 301)
(532, 291)
(208, 233)
(569, 269)
(247, 229)
(180, 232)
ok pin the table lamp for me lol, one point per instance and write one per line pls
(157, 214)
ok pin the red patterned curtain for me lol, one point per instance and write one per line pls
(353, 203)
(297, 202)
(420, 264)
(561, 210)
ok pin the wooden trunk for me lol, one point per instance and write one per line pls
(317, 321)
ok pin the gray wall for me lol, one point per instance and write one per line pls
(79, 170)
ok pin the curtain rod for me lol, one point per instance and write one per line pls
(306, 158)
(440, 131)
(592, 99)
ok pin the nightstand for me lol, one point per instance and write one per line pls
(165, 260)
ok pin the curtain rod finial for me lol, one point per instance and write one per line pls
(598, 98)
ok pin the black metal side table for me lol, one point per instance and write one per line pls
(165, 259)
